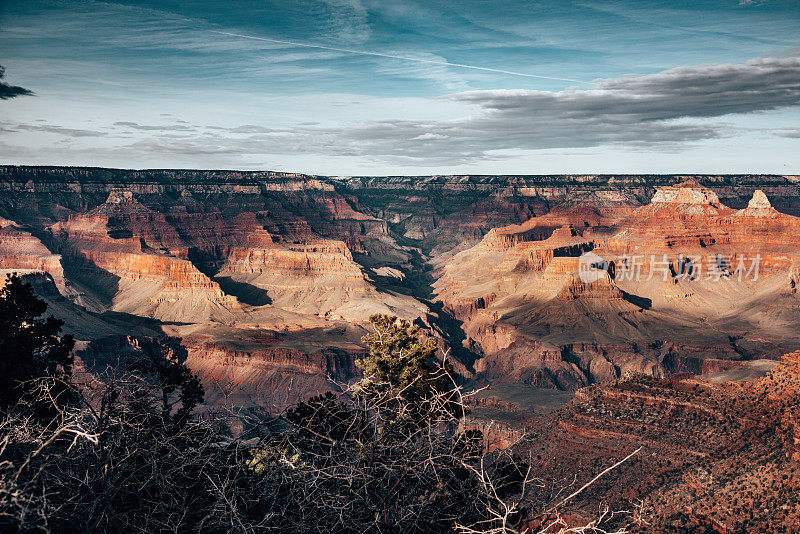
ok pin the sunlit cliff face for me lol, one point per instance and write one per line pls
(551, 281)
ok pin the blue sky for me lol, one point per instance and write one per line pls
(350, 87)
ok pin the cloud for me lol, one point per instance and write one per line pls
(186, 147)
(661, 110)
(157, 127)
(348, 20)
(789, 134)
(54, 129)
(11, 91)
(710, 90)
(666, 108)
(250, 129)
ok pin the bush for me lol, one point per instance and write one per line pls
(130, 456)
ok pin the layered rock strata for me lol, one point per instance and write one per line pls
(261, 250)
(683, 267)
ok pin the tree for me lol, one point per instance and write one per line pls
(400, 358)
(30, 348)
(162, 363)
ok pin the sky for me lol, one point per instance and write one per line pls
(411, 87)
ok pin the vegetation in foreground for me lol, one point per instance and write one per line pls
(124, 453)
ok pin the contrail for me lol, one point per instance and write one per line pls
(392, 56)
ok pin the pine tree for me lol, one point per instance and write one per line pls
(401, 359)
(30, 348)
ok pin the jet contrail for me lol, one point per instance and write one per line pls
(392, 56)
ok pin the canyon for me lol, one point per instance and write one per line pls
(555, 282)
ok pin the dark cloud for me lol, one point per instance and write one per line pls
(702, 91)
(712, 90)
(666, 108)
(11, 91)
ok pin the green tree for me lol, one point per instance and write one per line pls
(400, 358)
(30, 347)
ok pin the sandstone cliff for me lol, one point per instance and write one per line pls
(682, 267)
(262, 251)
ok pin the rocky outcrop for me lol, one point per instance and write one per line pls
(602, 288)
(130, 254)
(273, 368)
(652, 276)
(21, 252)
(759, 201)
(686, 193)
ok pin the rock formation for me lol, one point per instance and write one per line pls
(21, 252)
(682, 267)
(526, 278)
